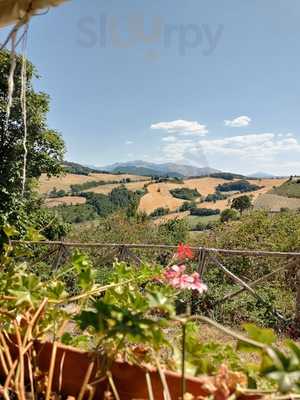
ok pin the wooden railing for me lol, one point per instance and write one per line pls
(202, 255)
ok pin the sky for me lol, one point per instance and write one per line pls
(203, 82)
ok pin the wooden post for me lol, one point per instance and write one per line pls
(59, 256)
(297, 308)
(122, 253)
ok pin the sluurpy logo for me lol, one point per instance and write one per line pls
(130, 32)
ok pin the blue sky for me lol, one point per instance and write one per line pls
(212, 82)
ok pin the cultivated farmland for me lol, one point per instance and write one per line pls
(159, 193)
(65, 200)
(64, 182)
(106, 189)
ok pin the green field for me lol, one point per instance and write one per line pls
(194, 220)
(288, 189)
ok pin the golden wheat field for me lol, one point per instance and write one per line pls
(106, 189)
(67, 200)
(64, 182)
(159, 194)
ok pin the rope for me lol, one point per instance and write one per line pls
(12, 34)
(10, 80)
(23, 105)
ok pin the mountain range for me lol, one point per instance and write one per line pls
(261, 175)
(145, 168)
(140, 167)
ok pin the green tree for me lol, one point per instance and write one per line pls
(45, 146)
(229, 214)
(241, 203)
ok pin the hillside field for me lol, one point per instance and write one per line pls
(106, 189)
(64, 182)
(290, 188)
(275, 203)
(159, 193)
(67, 200)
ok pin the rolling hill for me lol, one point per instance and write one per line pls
(137, 176)
(165, 169)
(261, 175)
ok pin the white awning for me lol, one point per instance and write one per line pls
(11, 11)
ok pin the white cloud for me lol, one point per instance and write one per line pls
(238, 122)
(276, 152)
(181, 127)
(169, 139)
(185, 151)
(128, 142)
(257, 146)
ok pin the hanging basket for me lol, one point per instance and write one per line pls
(12, 11)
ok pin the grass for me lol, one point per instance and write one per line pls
(194, 220)
(275, 202)
(288, 189)
(195, 237)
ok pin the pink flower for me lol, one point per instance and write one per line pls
(175, 271)
(175, 277)
(197, 283)
(172, 274)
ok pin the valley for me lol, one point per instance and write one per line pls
(157, 194)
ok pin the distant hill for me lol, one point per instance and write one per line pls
(229, 176)
(261, 175)
(144, 171)
(75, 168)
(165, 169)
(79, 169)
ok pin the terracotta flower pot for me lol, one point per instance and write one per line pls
(71, 366)
(130, 380)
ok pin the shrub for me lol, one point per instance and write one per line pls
(204, 211)
(57, 193)
(215, 197)
(119, 198)
(100, 202)
(76, 213)
(117, 228)
(238, 186)
(49, 224)
(159, 212)
(229, 214)
(185, 193)
(187, 205)
(204, 226)
(80, 187)
(174, 231)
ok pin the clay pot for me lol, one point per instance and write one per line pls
(71, 366)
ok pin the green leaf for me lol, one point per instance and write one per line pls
(295, 349)
(262, 335)
(33, 235)
(66, 338)
(10, 230)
